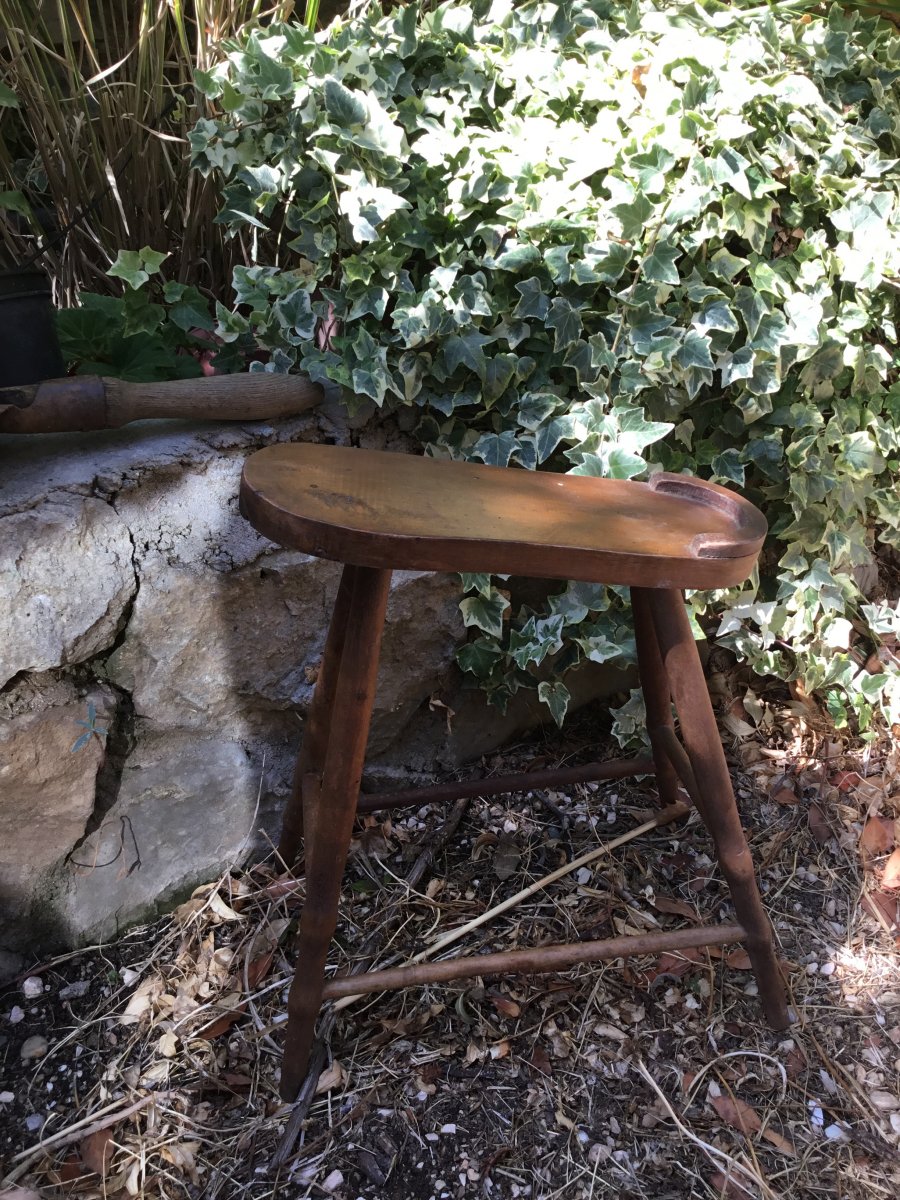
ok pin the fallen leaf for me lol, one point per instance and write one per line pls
(786, 795)
(183, 1155)
(17, 1193)
(168, 1045)
(97, 1150)
(795, 1063)
(278, 889)
(222, 1024)
(779, 1141)
(727, 1187)
(505, 1006)
(738, 960)
(884, 907)
(332, 1077)
(818, 825)
(891, 876)
(846, 781)
(223, 911)
(675, 907)
(506, 859)
(736, 1113)
(260, 968)
(540, 1060)
(673, 965)
(70, 1169)
(141, 1003)
(484, 839)
(876, 838)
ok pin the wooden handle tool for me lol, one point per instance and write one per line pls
(83, 402)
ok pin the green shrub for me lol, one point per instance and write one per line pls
(154, 331)
(604, 239)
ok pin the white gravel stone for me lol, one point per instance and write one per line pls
(34, 1047)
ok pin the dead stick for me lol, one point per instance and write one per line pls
(433, 849)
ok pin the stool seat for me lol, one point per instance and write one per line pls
(373, 509)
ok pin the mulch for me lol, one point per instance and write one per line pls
(156, 1058)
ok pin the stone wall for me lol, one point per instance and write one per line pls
(130, 583)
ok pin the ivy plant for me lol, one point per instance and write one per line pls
(605, 239)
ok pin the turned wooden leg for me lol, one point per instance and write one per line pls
(314, 744)
(704, 747)
(657, 695)
(328, 840)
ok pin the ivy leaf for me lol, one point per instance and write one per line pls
(865, 218)
(694, 351)
(634, 217)
(533, 302)
(476, 582)
(727, 467)
(659, 265)
(485, 612)
(566, 320)
(343, 106)
(547, 437)
(556, 696)
(8, 98)
(136, 266)
(716, 316)
(15, 201)
(859, 456)
(496, 449)
(480, 657)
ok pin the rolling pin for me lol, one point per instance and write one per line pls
(83, 402)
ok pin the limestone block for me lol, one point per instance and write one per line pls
(47, 795)
(66, 577)
(184, 811)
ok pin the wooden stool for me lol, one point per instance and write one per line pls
(376, 512)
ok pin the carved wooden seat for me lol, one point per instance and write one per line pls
(376, 512)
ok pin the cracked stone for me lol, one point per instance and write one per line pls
(185, 809)
(48, 795)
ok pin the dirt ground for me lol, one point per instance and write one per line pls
(155, 1059)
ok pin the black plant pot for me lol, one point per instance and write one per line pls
(29, 351)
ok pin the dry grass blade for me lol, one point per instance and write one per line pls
(98, 145)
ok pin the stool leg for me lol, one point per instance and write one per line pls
(657, 698)
(701, 738)
(314, 744)
(351, 711)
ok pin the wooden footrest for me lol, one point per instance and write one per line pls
(536, 961)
